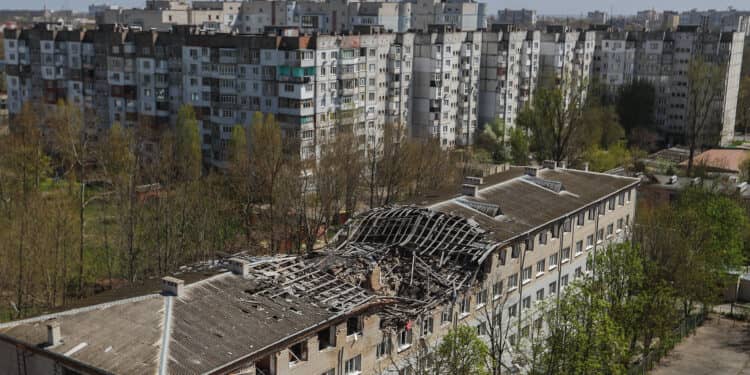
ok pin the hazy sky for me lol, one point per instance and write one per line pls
(568, 7)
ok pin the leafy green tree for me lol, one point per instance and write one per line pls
(635, 106)
(705, 86)
(187, 145)
(492, 139)
(519, 147)
(461, 352)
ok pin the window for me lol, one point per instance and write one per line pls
(540, 294)
(427, 326)
(513, 310)
(482, 329)
(497, 288)
(447, 314)
(354, 326)
(578, 272)
(579, 247)
(552, 261)
(581, 218)
(527, 302)
(298, 352)
(540, 266)
(526, 274)
(516, 248)
(619, 224)
(564, 280)
(553, 287)
(327, 338)
(330, 372)
(465, 305)
(404, 338)
(590, 241)
(513, 281)
(384, 347)
(565, 254)
(610, 229)
(543, 237)
(353, 365)
(481, 297)
(600, 236)
(627, 219)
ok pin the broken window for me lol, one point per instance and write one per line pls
(465, 305)
(581, 218)
(515, 251)
(503, 254)
(298, 352)
(481, 297)
(427, 325)
(543, 237)
(327, 338)
(384, 347)
(565, 254)
(266, 365)
(530, 243)
(354, 326)
(353, 365)
(513, 281)
(527, 302)
(447, 314)
(513, 310)
(497, 288)
(404, 338)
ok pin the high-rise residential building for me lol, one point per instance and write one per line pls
(163, 14)
(315, 85)
(566, 56)
(718, 20)
(597, 17)
(663, 59)
(509, 72)
(519, 17)
(670, 20)
(445, 85)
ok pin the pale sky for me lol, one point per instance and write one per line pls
(555, 7)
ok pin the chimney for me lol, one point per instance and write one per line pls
(172, 286)
(54, 336)
(531, 171)
(469, 180)
(239, 266)
(469, 190)
(586, 166)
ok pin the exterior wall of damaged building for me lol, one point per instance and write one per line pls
(396, 283)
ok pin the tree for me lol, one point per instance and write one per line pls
(743, 106)
(635, 106)
(554, 121)
(187, 145)
(73, 143)
(519, 147)
(461, 352)
(705, 84)
(492, 139)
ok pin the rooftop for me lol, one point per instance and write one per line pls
(720, 160)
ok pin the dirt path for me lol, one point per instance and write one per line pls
(720, 346)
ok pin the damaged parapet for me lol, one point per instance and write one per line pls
(172, 286)
(240, 267)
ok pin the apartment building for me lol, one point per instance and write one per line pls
(566, 56)
(509, 72)
(313, 84)
(718, 20)
(163, 14)
(353, 307)
(663, 58)
(446, 85)
(519, 17)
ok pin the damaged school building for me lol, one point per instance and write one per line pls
(395, 279)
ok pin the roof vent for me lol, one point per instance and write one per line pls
(555, 186)
(742, 187)
(172, 286)
(549, 164)
(469, 190)
(696, 181)
(239, 266)
(489, 209)
(54, 336)
(672, 180)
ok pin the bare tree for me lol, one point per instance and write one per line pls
(705, 83)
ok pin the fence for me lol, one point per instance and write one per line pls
(686, 327)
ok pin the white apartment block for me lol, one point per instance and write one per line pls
(520, 17)
(566, 56)
(508, 73)
(663, 59)
(445, 86)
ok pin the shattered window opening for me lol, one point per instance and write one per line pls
(354, 326)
